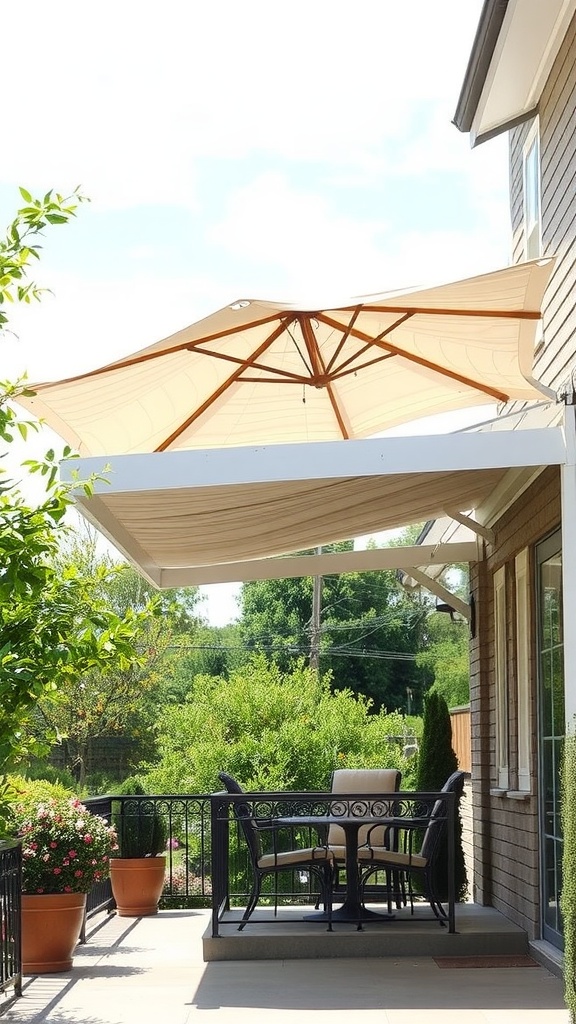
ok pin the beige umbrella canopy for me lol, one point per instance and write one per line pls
(262, 372)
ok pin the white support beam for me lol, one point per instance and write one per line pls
(322, 565)
(217, 467)
(482, 531)
(438, 590)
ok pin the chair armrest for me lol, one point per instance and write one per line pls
(390, 832)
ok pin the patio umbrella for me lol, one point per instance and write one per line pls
(263, 372)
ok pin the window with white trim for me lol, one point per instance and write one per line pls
(523, 631)
(501, 678)
(531, 182)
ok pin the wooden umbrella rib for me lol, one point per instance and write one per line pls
(311, 343)
(255, 365)
(292, 379)
(343, 339)
(507, 314)
(496, 394)
(342, 372)
(368, 345)
(343, 429)
(182, 346)
(223, 387)
(320, 370)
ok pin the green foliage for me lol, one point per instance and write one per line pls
(120, 699)
(437, 759)
(208, 650)
(39, 769)
(51, 629)
(436, 762)
(19, 246)
(370, 631)
(272, 730)
(140, 827)
(447, 659)
(568, 895)
(26, 789)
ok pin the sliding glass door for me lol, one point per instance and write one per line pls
(551, 729)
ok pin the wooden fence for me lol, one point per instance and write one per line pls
(460, 719)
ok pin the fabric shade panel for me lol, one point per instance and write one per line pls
(182, 512)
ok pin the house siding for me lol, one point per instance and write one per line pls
(506, 829)
(506, 870)
(556, 357)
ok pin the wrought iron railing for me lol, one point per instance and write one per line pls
(188, 847)
(207, 859)
(10, 917)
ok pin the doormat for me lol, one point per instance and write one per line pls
(519, 960)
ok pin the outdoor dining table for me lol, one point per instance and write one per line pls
(352, 910)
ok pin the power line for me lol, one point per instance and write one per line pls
(295, 649)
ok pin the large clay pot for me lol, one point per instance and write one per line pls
(137, 884)
(51, 925)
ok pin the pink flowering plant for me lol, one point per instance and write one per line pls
(65, 848)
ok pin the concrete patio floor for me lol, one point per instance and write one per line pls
(150, 971)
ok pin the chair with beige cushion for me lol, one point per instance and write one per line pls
(367, 781)
(318, 859)
(373, 857)
(364, 781)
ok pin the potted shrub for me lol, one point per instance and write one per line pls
(139, 865)
(65, 850)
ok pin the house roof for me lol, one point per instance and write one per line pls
(514, 48)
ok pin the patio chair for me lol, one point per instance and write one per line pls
(379, 781)
(317, 859)
(373, 858)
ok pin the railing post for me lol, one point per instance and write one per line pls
(11, 916)
(219, 828)
(451, 797)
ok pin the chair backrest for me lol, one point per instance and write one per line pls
(363, 780)
(244, 817)
(437, 823)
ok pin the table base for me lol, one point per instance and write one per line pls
(350, 914)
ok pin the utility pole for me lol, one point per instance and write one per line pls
(315, 621)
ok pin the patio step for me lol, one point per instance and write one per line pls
(480, 931)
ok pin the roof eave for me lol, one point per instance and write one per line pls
(489, 26)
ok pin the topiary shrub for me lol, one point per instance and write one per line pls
(436, 762)
(140, 827)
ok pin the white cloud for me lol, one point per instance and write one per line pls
(90, 322)
(126, 100)
(315, 251)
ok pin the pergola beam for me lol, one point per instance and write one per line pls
(438, 590)
(326, 564)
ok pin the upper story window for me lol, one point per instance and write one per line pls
(532, 223)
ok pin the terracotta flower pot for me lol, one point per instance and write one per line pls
(51, 925)
(137, 884)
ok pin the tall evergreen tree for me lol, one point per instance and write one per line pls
(436, 762)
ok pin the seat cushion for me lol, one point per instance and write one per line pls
(390, 857)
(287, 858)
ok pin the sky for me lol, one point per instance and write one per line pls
(265, 150)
